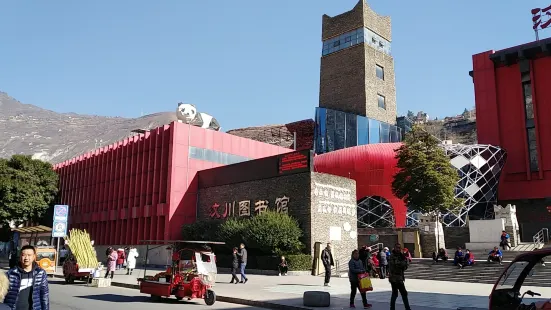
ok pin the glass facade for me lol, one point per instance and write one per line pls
(337, 130)
(354, 37)
(215, 156)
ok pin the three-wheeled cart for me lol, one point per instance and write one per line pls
(72, 272)
(191, 274)
(506, 294)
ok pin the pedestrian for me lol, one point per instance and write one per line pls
(364, 250)
(111, 262)
(234, 267)
(397, 265)
(121, 257)
(28, 283)
(62, 255)
(13, 258)
(355, 268)
(283, 267)
(131, 260)
(4, 285)
(505, 241)
(242, 254)
(328, 262)
(383, 264)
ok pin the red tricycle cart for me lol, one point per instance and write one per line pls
(191, 274)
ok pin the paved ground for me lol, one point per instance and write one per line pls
(80, 297)
(286, 293)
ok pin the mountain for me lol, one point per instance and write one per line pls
(55, 137)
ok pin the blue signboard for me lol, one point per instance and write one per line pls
(61, 217)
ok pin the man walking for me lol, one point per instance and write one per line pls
(327, 260)
(397, 265)
(242, 262)
(28, 284)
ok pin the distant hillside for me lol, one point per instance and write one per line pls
(459, 131)
(55, 137)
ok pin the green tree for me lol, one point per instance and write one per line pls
(27, 188)
(426, 180)
(410, 114)
(466, 113)
(273, 233)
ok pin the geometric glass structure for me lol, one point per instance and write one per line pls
(337, 130)
(479, 167)
(374, 212)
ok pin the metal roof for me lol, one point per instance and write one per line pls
(33, 229)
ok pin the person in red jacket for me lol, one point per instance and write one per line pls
(121, 257)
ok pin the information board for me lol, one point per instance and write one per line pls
(294, 162)
(61, 217)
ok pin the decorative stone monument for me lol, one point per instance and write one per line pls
(431, 233)
(509, 214)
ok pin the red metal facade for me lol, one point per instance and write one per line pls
(145, 186)
(373, 166)
(501, 120)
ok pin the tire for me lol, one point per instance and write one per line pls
(210, 297)
(179, 298)
(155, 298)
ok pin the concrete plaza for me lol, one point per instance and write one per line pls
(286, 292)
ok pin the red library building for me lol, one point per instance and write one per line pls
(513, 108)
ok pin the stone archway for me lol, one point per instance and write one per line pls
(375, 211)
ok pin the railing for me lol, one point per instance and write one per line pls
(541, 237)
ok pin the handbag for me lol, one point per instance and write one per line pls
(364, 282)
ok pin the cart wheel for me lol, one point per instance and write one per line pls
(210, 297)
(179, 298)
(155, 298)
(69, 279)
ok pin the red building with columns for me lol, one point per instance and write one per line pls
(513, 107)
(145, 187)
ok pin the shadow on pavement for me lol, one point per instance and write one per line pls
(140, 299)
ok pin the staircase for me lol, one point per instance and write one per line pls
(481, 272)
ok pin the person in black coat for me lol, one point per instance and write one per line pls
(327, 260)
(234, 267)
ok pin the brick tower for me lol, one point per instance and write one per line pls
(357, 69)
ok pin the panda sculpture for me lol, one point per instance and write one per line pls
(187, 113)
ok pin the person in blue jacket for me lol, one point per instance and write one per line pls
(355, 268)
(495, 255)
(458, 257)
(28, 283)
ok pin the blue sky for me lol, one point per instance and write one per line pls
(245, 62)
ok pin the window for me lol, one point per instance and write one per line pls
(373, 40)
(337, 43)
(215, 156)
(533, 149)
(528, 107)
(381, 102)
(380, 72)
(348, 39)
(530, 126)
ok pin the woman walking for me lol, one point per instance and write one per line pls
(131, 260)
(234, 267)
(355, 268)
(111, 262)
